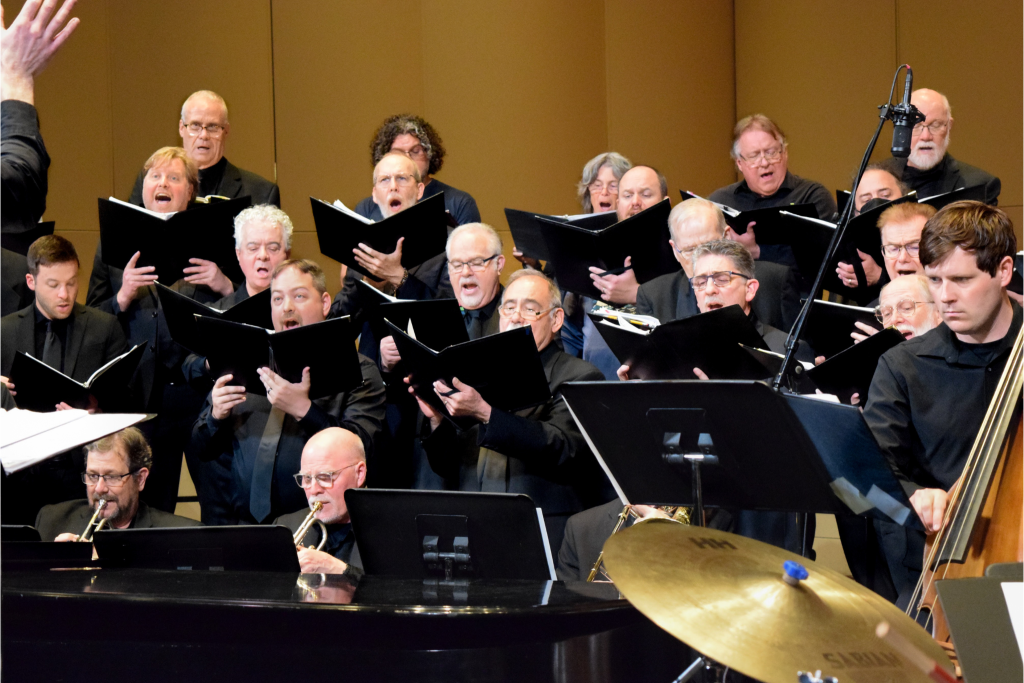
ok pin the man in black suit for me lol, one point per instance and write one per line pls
(264, 435)
(204, 129)
(537, 451)
(333, 461)
(669, 297)
(930, 169)
(74, 339)
(116, 468)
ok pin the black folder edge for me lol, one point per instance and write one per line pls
(183, 329)
(823, 376)
(834, 310)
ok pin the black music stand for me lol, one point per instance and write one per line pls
(450, 535)
(18, 532)
(218, 548)
(982, 632)
(37, 556)
(736, 444)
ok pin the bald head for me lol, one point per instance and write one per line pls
(930, 139)
(691, 224)
(339, 453)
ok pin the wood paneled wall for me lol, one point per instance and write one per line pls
(524, 93)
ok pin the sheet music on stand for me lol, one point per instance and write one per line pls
(28, 438)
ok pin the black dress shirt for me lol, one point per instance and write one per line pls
(928, 399)
(60, 327)
(948, 175)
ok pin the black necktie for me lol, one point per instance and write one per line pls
(52, 354)
(474, 324)
(263, 470)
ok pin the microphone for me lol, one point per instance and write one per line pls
(904, 117)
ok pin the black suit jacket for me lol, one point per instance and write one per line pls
(24, 164)
(94, 339)
(14, 292)
(236, 182)
(71, 516)
(950, 175)
(538, 451)
(670, 297)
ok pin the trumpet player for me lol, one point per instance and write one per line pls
(116, 468)
(333, 461)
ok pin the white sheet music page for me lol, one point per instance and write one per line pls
(29, 438)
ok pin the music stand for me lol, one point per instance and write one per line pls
(769, 451)
(34, 555)
(22, 533)
(218, 548)
(450, 534)
(981, 628)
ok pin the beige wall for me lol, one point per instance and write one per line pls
(820, 69)
(523, 93)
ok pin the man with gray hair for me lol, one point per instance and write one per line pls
(930, 169)
(670, 297)
(760, 150)
(116, 469)
(537, 451)
(204, 129)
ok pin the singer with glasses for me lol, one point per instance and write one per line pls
(907, 304)
(333, 461)
(204, 129)
(931, 169)
(538, 451)
(116, 468)
(761, 153)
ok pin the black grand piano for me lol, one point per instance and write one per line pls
(156, 625)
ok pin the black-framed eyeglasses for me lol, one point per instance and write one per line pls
(906, 307)
(476, 265)
(893, 250)
(721, 279)
(195, 128)
(936, 127)
(325, 479)
(113, 481)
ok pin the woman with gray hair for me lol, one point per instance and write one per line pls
(598, 188)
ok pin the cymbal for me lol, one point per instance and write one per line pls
(724, 595)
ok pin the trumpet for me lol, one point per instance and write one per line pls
(86, 536)
(680, 515)
(307, 523)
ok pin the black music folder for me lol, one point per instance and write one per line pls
(505, 368)
(203, 231)
(829, 326)
(780, 451)
(528, 232)
(181, 311)
(974, 193)
(423, 225)
(326, 348)
(450, 534)
(41, 388)
(850, 372)
(710, 341)
(643, 237)
(436, 323)
(19, 242)
(981, 627)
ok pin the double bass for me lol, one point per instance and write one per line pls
(983, 522)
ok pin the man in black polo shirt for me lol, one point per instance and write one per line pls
(760, 150)
(929, 395)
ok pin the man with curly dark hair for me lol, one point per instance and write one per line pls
(418, 140)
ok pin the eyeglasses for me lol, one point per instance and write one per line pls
(721, 279)
(527, 311)
(325, 479)
(770, 155)
(400, 179)
(893, 250)
(597, 187)
(906, 307)
(417, 152)
(936, 127)
(476, 265)
(213, 129)
(113, 481)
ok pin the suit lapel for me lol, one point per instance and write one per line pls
(78, 330)
(25, 337)
(230, 182)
